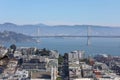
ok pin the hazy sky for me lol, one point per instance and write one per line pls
(98, 12)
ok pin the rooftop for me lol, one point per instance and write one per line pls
(41, 75)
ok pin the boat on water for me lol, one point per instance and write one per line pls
(38, 41)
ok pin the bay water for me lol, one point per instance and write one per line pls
(65, 45)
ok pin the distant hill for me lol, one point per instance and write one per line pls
(31, 30)
(9, 36)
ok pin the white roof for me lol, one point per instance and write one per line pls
(84, 79)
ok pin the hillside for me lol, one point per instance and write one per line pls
(32, 30)
(9, 36)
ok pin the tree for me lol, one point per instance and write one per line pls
(37, 52)
(13, 46)
(60, 59)
(65, 56)
(59, 78)
(44, 52)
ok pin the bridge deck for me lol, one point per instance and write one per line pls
(77, 36)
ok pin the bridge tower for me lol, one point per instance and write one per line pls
(38, 34)
(88, 35)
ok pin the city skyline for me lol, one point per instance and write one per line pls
(63, 12)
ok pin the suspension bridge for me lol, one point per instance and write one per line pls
(88, 36)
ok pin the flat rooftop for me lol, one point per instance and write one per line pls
(41, 75)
